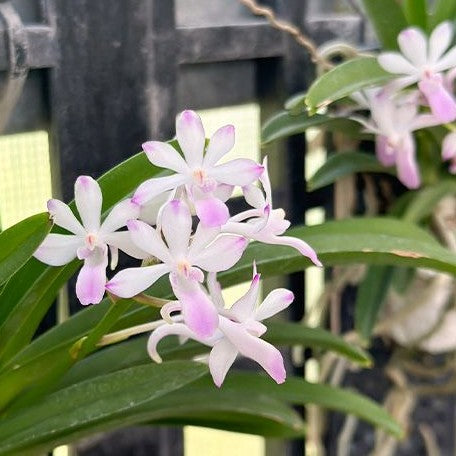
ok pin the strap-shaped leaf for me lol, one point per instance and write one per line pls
(344, 164)
(19, 242)
(444, 10)
(107, 402)
(285, 124)
(345, 79)
(415, 12)
(388, 20)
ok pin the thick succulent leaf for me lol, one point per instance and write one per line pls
(19, 242)
(388, 20)
(345, 79)
(285, 124)
(343, 164)
(107, 402)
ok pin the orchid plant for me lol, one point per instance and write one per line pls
(169, 212)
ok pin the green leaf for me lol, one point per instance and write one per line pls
(296, 103)
(344, 79)
(415, 13)
(424, 201)
(444, 10)
(369, 299)
(19, 242)
(300, 392)
(344, 164)
(107, 402)
(281, 333)
(285, 124)
(26, 305)
(388, 20)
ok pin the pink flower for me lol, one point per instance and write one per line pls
(449, 151)
(239, 331)
(393, 119)
(90, 240)
(206, 183)
(422, 62)
(183, 257)
(264, 223)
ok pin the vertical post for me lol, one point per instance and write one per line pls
(114, 86)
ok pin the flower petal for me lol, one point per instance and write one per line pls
(58, 249)
(87, 194)
(154, 187)
(413, 44)
(385, 154)
(254, 196)
(149, 212)
(191, 137)
(221, 142)
(244, 308)
(148, 240)
(211, 211)
(168, 309)
(176, 225)
(164, 155)
(123, 240)
(241, 171)
(130, 282)
(407, 167)
(119, 216)
(90, 285)
(221, 254)
(223, 192)
(177, 329)
(276, 301)
(221, 358)
(439, 41)
(395, 63)
(449, 146)
(447, 61)
(63, 216)
(265, 354)
(199, 313)
(442, 103)
(215, 291)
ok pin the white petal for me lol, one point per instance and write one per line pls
(203, 236)
(176, 225)
(413, 44)
(130, 282)
(395, 63)
(148, 240)
(266, 182)
(447, 61)
(164, 155)
(241, 171)
(407, 167)
(223, 192)
(87, 194)
(449, 146)
(221, 358)
(119, 216)
(254, 196)
(154, 187)
(191, 137)
(222, 254)
(276, 301)
(58, 249)
(439, 41)
(215, 291)
(64, 217)
(265, 354)
(244, 308)
(122, 240)
(149, 212)
(221, 142)
(168, 309)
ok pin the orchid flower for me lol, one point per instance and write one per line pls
(207, 183)
(266, 224)
(422, 61)
(393, 119)
(90, 240)
(239, 331)
(449, 150)
(183, 258)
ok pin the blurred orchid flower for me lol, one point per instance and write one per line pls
(184, 258)
(239, 331)
(207, 184)
(90, 240)
(422, 61)
(449, 151)
(393, 119)
(264, 223)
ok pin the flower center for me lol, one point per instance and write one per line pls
(199, 175)
(184, 267)
(91, 241)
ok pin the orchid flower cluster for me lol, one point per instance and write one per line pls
(181, 227)
(426, 67)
